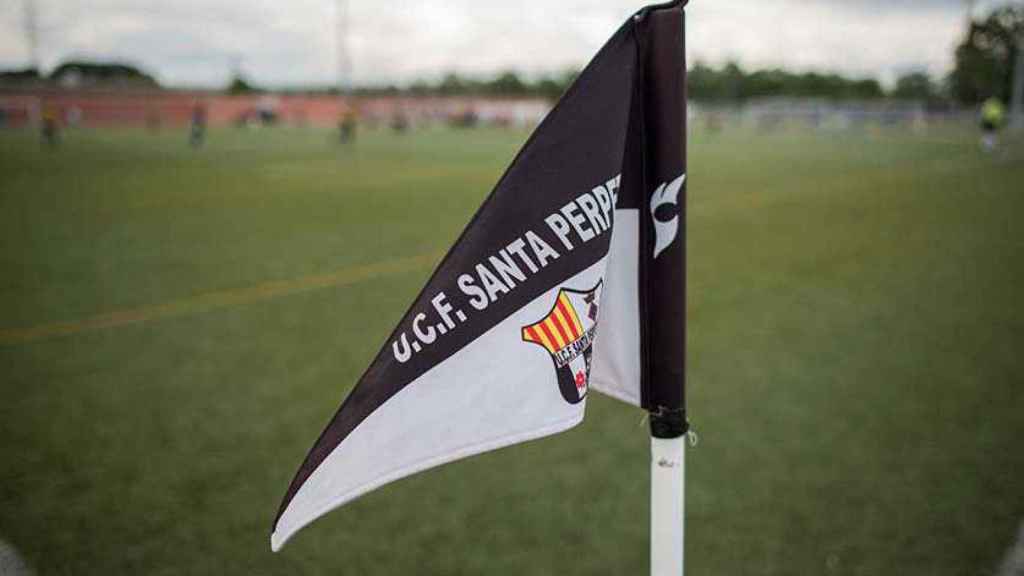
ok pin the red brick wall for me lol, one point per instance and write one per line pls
(167, 108)
(140, 108)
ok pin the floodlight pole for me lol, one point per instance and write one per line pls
(969, 12)
(1017, 95)
(32, 34)
(343, 63)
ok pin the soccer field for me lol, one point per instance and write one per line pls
(177, 326)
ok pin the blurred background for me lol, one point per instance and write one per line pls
(826, 64)
(213, 213)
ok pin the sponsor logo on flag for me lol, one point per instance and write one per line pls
(567, 333)
(665, 213)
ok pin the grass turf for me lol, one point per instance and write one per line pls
(856, 328)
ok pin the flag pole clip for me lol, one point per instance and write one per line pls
(668, 422)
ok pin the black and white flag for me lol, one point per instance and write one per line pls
(570, 277)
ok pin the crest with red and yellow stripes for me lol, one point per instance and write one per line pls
(567, 333)
(558, 329)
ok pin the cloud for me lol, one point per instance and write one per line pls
(870, 38)
(275, 43)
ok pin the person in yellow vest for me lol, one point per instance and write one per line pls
(993, 117)
(347, 126)
(50, 125)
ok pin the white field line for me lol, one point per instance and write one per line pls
(219, 299)
(10, 563)
(1013, 562)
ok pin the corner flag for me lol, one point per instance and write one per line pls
(569, 277)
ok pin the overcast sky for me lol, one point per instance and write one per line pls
(292, 42)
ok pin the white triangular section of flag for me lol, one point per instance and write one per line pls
(499, 390)
(615, 370)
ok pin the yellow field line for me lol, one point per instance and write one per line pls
(219, 299)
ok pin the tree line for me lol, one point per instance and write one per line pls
(983, 67)
(728, 82)
(985, 59)
(507, 83)
(83, 73)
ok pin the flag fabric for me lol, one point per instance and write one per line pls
(569, 277)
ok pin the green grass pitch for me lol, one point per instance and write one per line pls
(856, 346)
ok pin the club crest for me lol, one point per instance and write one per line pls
(567, 333)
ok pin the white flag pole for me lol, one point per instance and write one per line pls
(668, 476)
(663, 54)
